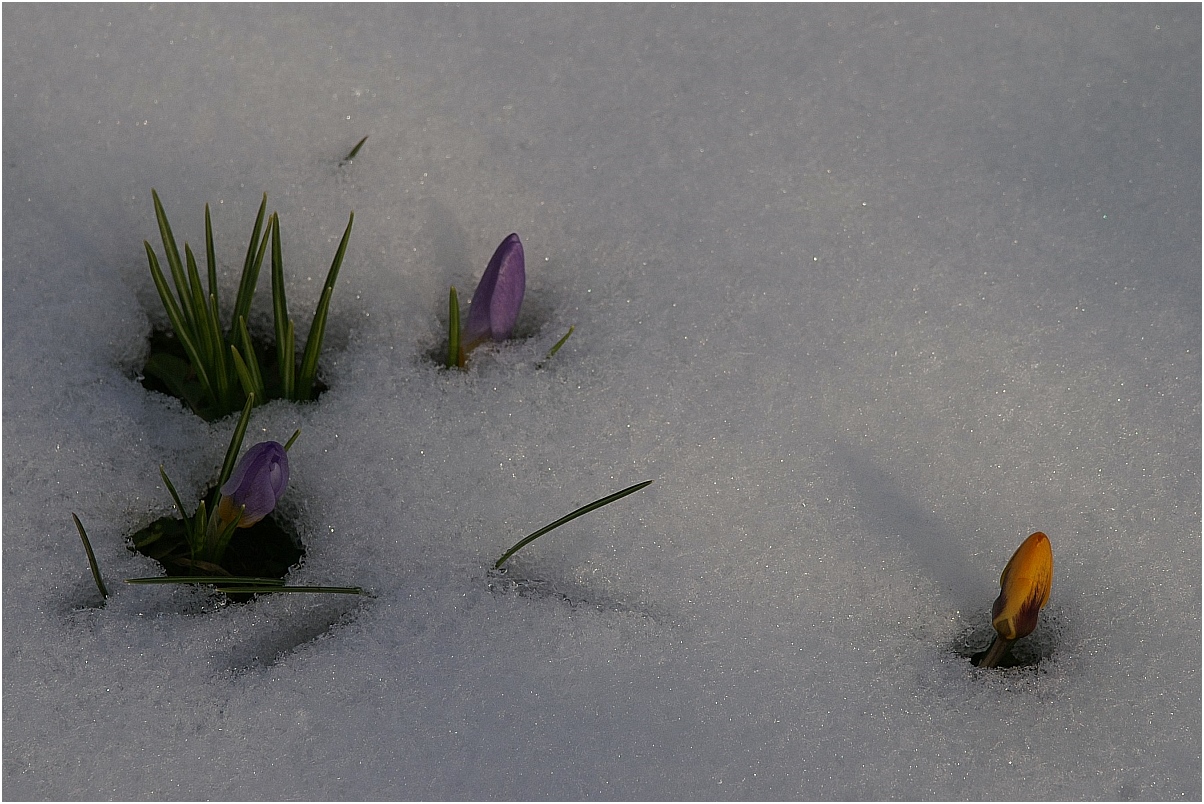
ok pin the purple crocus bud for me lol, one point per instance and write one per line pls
(498, 297)
(258, 482)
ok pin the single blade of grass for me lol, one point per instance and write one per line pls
(243, 580)
(235, 444)
(196, 534)
(284, 356)
(210, 257)
(251, 361)
(244, 585)
(200, 321)
(309, 359)
(104, 593)
(262, 590)
(454, 358)
(224, 367)
(255, 252)
(288, 375)
(243, 371)
(175, 497)
(317, 328)
(585, 509)
(221, 369)
(355, 150)
(173, 259)
(184, 332)
(559, 343)
(250, 269)
(293, 438)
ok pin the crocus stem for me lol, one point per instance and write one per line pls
(996, 652)
(454, 356)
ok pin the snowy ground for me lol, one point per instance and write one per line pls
(871, 293)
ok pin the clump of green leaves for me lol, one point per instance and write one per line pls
(221, 369)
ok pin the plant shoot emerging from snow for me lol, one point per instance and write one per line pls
(1024, 591)
(495, 305)
(221, 368)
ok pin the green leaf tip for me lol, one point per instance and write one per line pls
(83, 535)
(585, 509)
(559, 343)
(354, 151)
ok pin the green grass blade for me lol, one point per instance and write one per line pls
(293, 438)
(317, 328)
(200, 319)
(585, 509)
(454, 357)
(559, 343)
(235, 444)
(200, 527)
(91, 557)
(262, 590)
(285, 358)
(173, 259)
(243, 371)
(313, 345)
(209, 337)
(288, 373)
(234, 584)
(184, 332)
(252, 362)
(221, 369)
(354, 150)
(210, 257)
(239, 579)
(250, 269)
(179, 506)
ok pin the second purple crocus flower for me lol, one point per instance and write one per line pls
(498, 297)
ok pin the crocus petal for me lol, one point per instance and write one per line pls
(498, 296)
(1024, 588)
(257, 482)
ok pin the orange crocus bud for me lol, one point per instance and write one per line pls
(1024, 588)
(1024, 591)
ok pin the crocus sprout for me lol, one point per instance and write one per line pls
(498, 297)
(495, 304)
(218, 368)
(247, 491)
(1024, 591)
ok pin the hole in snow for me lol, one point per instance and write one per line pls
(267, 549)
(168, 371)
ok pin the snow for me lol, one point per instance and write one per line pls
(871, 292)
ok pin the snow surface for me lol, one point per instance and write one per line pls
(871, 293)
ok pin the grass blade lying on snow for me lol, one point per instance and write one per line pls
(585, 509)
